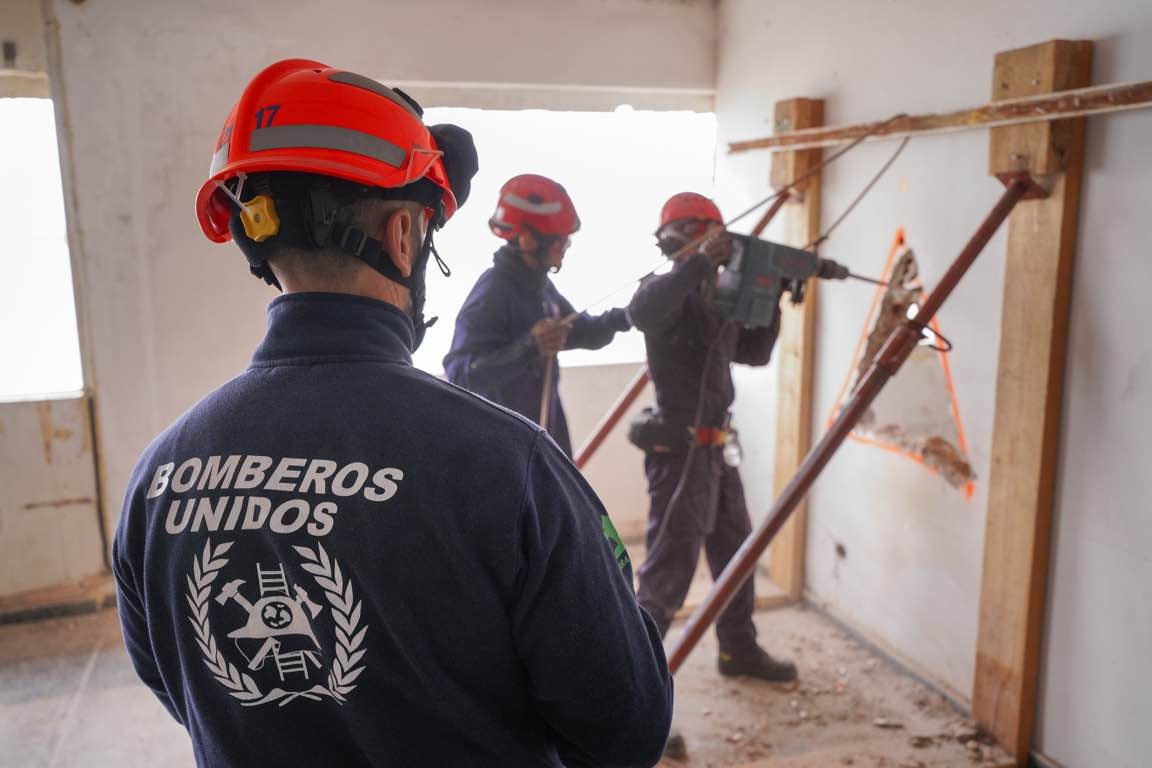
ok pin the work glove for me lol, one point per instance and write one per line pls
(549, 335)
(717, 247)
(618, 320)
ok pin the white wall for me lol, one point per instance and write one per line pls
(616, 470)
(1097, 674)
(49, 524)
(911, 576)
(143, 88)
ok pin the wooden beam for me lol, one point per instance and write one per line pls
(1037, 281)
(794, 348)
(1040, 109)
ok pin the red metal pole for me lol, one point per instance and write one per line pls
(770, 214)
(608, 423)
(889, 359)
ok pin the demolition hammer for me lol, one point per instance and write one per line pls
(749, 285)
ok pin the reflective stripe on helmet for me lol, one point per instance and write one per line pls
(219, 159)
(524, 204)
(327, 137)
(368, 84)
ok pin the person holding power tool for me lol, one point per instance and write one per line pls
(697, 499)
(336, 559)
(514, 320)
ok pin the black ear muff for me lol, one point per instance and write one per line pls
(260, 219)
(460, 159)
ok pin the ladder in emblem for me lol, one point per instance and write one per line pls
(272, 580)
(292, 663)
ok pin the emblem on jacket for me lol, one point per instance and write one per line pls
(274, 640)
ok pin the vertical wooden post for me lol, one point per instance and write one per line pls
(794, 349)
(1037, 282)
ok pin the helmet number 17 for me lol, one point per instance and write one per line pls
(270, 111)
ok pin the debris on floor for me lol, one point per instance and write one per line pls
(849, 707)
(67, 687)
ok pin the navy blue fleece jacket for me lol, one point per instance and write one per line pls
(493, 353)
(336, 559)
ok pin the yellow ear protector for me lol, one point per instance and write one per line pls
(260, 218)
(258, 215)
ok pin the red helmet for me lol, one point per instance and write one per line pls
(533, 204)
(688, 205)
(304, 116)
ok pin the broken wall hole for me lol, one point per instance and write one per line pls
(917, 415)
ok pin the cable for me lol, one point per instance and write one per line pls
(852, 206)
(824, 163)
(692, 448)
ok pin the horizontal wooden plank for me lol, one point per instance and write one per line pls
(1066, 104)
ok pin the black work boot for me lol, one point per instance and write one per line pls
(757, 664)
(675, 748)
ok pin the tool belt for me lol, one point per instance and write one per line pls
(654, 432)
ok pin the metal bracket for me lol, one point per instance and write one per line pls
(1037, 189)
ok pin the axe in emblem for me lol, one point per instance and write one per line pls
(303, 601)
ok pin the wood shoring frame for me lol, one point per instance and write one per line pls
(1079, 102)
(1038, 264)
(796, 344)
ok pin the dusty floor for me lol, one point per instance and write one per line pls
(69, 698)
(849, 708)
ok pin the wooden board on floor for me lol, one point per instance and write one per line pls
(1037, 281)
(794, 348)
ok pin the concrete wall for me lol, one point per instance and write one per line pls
(911, 576)
(49, 515)
(1097, 672)
(616, 470)
(21, 25)
(49, 524)
(22, 35)
(143, 87)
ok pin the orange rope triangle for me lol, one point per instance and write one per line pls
(862, 435)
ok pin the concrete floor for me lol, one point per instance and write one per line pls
(70, 699)
(849, 708)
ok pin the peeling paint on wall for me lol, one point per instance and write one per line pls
(49, 527)
(44, 410)
(57, 503)
(916, 415)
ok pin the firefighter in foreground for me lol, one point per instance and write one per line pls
(336, 559)
(514, 320)
(697, 498)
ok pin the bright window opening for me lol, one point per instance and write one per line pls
(619, 167)
(39, 346)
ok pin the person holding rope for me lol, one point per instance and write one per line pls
(514, 321)
(694, 486)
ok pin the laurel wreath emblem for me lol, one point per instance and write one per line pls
(346, 614)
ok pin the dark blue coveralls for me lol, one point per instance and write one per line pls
(689, 344)
(336, 559)
(493, 353)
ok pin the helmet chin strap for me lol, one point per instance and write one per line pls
(544, 244)
(328, 232)
(416, 285)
